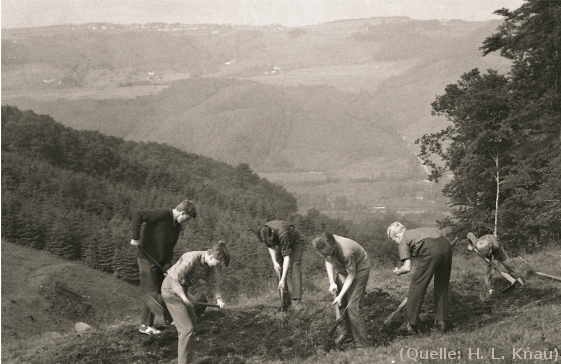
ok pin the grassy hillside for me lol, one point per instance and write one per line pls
(250, 330)
(43, 293)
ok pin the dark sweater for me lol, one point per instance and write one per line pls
(158, 236)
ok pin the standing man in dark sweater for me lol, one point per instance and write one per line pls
(155, 241)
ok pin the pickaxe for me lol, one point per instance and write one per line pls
(397, 310)
(157, 308)
(507, 276)
(541, 274)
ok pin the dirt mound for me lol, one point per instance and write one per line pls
(264, 332)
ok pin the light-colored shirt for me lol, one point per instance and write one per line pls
(191, 268)
(351, 256)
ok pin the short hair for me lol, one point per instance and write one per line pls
(220, 252)
(188, 207)
(484, 243)
(324, 243)
(394, 229)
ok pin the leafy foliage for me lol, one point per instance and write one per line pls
(506, 131)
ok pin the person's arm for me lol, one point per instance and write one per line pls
(285, 264)
(136, 223)
(139, 218)
(214, 278)
(330, 277)
(405, 268)
(276, 265)
(351, 274)
(178, 290)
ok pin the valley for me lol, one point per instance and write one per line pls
(346, 99)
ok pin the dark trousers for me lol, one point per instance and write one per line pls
(151, 278)
(435, 260)
(294, 270)
(353, 322)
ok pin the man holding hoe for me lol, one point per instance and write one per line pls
(186, 272)
(488, 248)
(155, 233)
(348, 269)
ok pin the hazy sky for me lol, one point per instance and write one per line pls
(30, 13)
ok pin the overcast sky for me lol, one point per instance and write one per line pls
(31, 13)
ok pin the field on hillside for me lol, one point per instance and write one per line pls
(250, 330)
(357, 193)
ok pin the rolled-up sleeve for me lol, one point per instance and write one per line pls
(403, 249)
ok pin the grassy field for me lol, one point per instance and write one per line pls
(41, 294)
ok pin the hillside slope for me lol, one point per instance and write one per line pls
(42, 292)
(250, 330)
(268, 127)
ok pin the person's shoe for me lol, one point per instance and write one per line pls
(343, 339)
(297, 306)
(406, 329)
(441, 326)
(520, 281)
(511, 287)
(148, 330)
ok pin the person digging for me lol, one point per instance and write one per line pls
(185, 273)
(155, 234)
(286, 248)
(348, 270)
(488, 248)
(434, 258)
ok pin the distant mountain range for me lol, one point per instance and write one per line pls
(348, 97)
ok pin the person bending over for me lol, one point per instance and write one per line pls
(348, 269)
(434, 255)
(186, 272)
(286, 248)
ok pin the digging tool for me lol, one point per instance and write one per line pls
(153, 305)
(285, 299)
(541, 274)
(453, 242)
(152, 260)
(397, 310)
(339, 315)
(157, 308)
(283, 294)
(337, 321)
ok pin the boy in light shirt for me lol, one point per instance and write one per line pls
(186, 272)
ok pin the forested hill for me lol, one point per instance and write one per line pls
(239, 121)
(72, 193)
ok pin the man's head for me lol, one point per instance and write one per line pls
(483, 246)
(395, 231)
(218, 254)
(267, 236)
(184, 211)
(325, 244)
